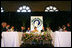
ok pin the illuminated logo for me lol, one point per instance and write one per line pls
(37, 22)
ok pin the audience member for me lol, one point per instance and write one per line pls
(68, 27)
(8, 27)
(4, 24)
(22, 29)
(35, 29)
(49, 30)
(42, 29)
(64, 28)
(60, 29)
(28, 30)
(12, 28)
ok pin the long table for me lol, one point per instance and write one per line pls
(62, 39)
(13, 39)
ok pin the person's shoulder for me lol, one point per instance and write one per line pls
(33, 30)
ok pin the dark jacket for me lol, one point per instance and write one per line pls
(23, 31)
(3, 29)
(42, 30)
(68, 28)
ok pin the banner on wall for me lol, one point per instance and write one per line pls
(36, 21)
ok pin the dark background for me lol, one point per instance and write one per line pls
(52, 19)
(39, 6)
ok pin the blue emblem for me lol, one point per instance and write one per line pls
(37, 20)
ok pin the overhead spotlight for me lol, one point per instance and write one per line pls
(24, 7)
(56, 10)
(46, 10)
(2, 9)
(29, 10)
(23, 11)
(51, 10)
(18, 10)
(51, 7)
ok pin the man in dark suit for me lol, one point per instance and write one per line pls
(22, 29)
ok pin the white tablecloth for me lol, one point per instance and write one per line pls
(62, 39)
(10, 39)
(13, 39)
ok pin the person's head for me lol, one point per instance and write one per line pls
(49, 28)
(35, 28)
(22, 27)
(4, 24)
(8, 26)
(12, 27)
(59, 27)
(46, 27)
(28, 28)
(43, 28)
(68, 24)
(63, 26)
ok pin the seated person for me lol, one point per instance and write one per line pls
(42, 29)
(28, 30)
(49, 29)
(4, 24)
(64, 28)
(35, 29)
(59, 28)
(22, 29)
(12, 28)
(8, 27)
(68, 28)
